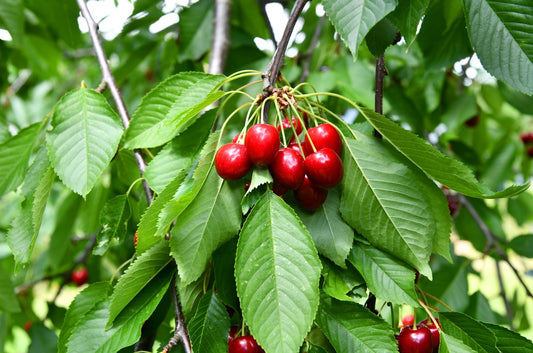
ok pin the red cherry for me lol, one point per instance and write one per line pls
(238, 138)
(294, 145)
(288, 168)
(435, 334)
(279, 189)
(80, 277)
(416, 340)
(232, 332)
(323, 136)
(324, 168)
(529, 152)
(231, 161)
(286, 124)
(408, 320)
(27, 326)
(310, 196)
(244, 344)
(262, 144)
(473, 121)
(135, 239)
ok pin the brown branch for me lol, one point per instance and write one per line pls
(180, 332)
(309, 53)
(110, 81)
(491, 241)
(262, 6)
(508, 308)
(381, 71)
(221, 38)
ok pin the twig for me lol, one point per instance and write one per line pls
(308, 54)
(221, 38)
(381, 71)
(491, 241)
(272, 71)
(262, 6)
(508, 308)
(180, 332)
(110, 80)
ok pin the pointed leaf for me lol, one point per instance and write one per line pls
(351, 327)
(354, 18)
(386, 277)
(508, 341)
(333, 238)
(277, 271)
(83, 303)
(500, 32)
(43, 339)
(196, 30)
(138, 276)
(85, 137)
(171, 107)
(113, 219)
(382, 201)
(14, 156)
(450, 344)
(12, 14)
(447, 171)
(211, 219)
(338, 282)
(470, 332)
(210, 325)
(407, 17)
(8, 299)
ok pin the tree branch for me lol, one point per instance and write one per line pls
(110, 81)
(262, 6)
(491, 241)
(308, 54)
(221, 38)
(180, 332)
(381, 71)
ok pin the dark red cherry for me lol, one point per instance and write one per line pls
(323, 136)
(286, 124)
(244, 344)
(231, 161)
(262, 144)
(288, 168)
(309, 196)
(324, 168)
(417, 340)
(435, 334)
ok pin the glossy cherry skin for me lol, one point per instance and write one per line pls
(288, 168)
(435, 334)
(408, 320)
(231, 161)
(415, 340)
(244, 344)
(80, 277)
(309, 196)
(232, 332)
(262, 144)
(286, 124)
(323, 136)
(324, 168)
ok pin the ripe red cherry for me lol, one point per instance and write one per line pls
(323, 136)
(27, 326)
(232, 332)
(288, 168)
(262, 144)
(435, 334)
(80, 277)
(408, 320)
(231, 161)
(244, 344)
(239, 138)
(286, 124)
(324, 168)
(472, 122)
(310, 196)
(416, 340)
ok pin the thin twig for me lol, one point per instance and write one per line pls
(221, 37)
(381, 71)
(262, 6)
(180, 332)
(309, 53)
(110, 80)
(491, 241)
(508, 308)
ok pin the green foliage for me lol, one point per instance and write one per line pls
(433, 208)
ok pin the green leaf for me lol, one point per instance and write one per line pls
(479, 308)
(14, 156)
(450, 344)
(380, 37)
(171, 107)
(179, 153)
(43, 339)
(386, 277)
(339, 282)
(382, 201)
(25, 227)
(196, 30)
(351, 327)
(8, 299)
(113, 219)
(500, 32)
(85, 137)
(443, 38)
(12, 14)
(223, 267)
(82, 304)
(138, 276)
(447, 171)
(508, 341)
(333, 238)
(521, 208)
(354, 18)
(407, 17)
(209, 327)
(470, 332)
(277, 271)
(212, 218)
(450, 285)
(523, 245)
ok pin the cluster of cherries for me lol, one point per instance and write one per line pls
(309, 168)
(527, 140)
(242, 344)
(422, 338)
